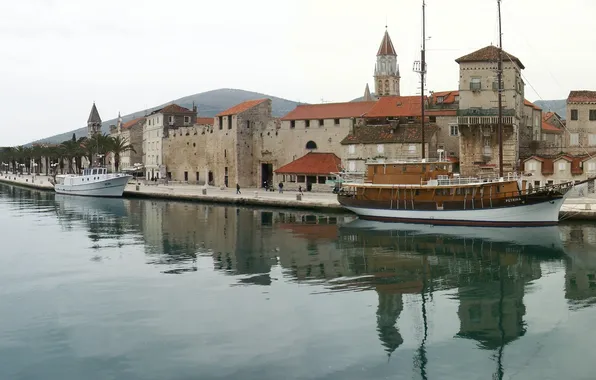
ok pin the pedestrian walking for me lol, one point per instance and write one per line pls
(238, 189)
(300, 189)
(281, 188)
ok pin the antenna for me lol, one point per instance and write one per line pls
(420, 67)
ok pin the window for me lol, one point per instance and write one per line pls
(321, 122)
(496, 85)
(592, 139)
(247, 123)
(186, 119)
(336, 121)
(454, 130)
(456, 98)
(230, 122)
(292, 123)
(432, 119)
(307, 123)
(380, 148)
(352, 166)
(197, 176)
(412, 149)
(321, 180)
(311, 145)
(562, 166)
(440, 99)
(550, 182)
(574, 114)
(171, 119)
(351, 148)
(574, 139)
(475, 84)
(300, 179)
(591, 167)
(530, 166)
(592, 115)
(221, 122)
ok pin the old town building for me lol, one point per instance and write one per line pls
(132, 133)
(580, 132)
(386, 69)
(155, 129)
(94, 122)
(310, 172)
(548, 170)
(478, 110)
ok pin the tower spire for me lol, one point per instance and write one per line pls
(387, 70)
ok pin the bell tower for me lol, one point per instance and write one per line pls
(386, 70)
(94, 122)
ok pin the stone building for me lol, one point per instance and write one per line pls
(552, 139)
(441, 111)
(132, 133)
(478, 110)
(310, 172)
(530, 129)
(155, 129)
(184, 151)
(386, 69)
(385, 142)
(580, 132)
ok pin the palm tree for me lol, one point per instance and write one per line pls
(119, 145)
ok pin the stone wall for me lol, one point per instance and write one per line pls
(184, 151)
(449, 143)
(474, 159)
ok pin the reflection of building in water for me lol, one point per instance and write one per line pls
(580, 273)
(491, 307)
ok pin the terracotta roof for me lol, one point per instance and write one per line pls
(313, 164)
(489, 54)
(386, 47)
(175, 108)
(329, 111)
(548, 162)
(549, 128)
(530, 104)
(448, 97)
(582, 96)
(239, 108)
(129, 124)
(204, 120)
(379, 134)
(395, 106)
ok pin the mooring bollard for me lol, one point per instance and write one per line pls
(298, 197)
(204, 191)
(137, 187)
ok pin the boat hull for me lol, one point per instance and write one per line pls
(110, 187)
(544, 213)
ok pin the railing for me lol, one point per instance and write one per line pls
(394, 161)
(451, 181)
(485, 120)
(484, 112)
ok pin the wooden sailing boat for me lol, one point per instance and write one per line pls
(427, 191)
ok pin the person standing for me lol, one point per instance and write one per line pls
(281, 187)
(238, 189)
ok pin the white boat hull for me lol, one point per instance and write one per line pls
(108, 187)
(540, 214)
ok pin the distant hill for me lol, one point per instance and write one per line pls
(209, 104)
(558, 106)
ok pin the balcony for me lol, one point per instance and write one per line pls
(485, 120)
(484, 112)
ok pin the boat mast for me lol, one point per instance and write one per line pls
(500, 90)
(422, 72)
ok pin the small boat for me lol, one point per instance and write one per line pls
(94, 182)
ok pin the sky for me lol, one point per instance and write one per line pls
(59, 56)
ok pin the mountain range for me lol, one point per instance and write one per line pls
(208, 103)
(211, 103)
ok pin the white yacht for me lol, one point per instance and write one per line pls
(94, 182)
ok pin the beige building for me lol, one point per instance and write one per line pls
(442, 112)
(580, 132)
(477, 114)
(132, 133)
(549, 170)
(155, 129)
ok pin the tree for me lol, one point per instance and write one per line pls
(119, 145)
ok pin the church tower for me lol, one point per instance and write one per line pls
(94, 122)
(387, 70)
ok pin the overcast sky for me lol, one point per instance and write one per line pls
(61, 55)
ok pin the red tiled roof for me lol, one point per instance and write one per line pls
(448, 97)
(395, 106)
(386, 47)
(387, 134)
(582, 96)
(175, 108)
(244, 106)
(329, 111)
(489, 54)
(204, 120)
(129, 124)
(313, 164)
(548, 162)
(530, 104)
(549, 128)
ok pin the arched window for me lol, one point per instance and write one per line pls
(311, 145)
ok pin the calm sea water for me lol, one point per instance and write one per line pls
(136, 289)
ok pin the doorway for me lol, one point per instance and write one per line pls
(266, 175)
(210, 178)
(309, 181)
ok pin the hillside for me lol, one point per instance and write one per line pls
(558, 106)
(208, 103)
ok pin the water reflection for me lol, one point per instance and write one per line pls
(486, 271)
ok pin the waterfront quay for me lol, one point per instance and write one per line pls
(583, 208)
